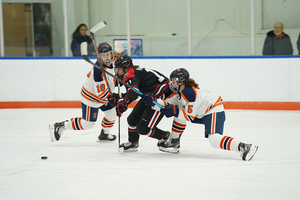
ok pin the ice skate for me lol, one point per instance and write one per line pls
(108, 137)
(170, 146)
(164, 139)
(247, 151)
(129, 146)
(56, 130)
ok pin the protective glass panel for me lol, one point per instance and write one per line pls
(217, 28)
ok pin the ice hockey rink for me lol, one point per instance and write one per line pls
(80, 167)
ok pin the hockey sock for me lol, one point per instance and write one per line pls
(78, 123)
(107, 125)
(177, 128)
(108, 120)
(155, 133)
(133, 135)
(223, 142)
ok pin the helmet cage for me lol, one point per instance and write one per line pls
(107, 63)
(178, 76)
(172, 83)
(105, 48)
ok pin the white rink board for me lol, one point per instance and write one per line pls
(244, 79)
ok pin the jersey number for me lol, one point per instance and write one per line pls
(101, 88)
(160, 78)
(190, 109)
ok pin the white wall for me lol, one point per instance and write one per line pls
(236, 79)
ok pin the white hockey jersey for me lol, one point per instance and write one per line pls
(94, 91)
(194, 103)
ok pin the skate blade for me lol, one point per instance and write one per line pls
(121, 150)
(130, 150)
(104, 140)
(51, 132)
(170, 150)
(251, 153)
(107, 139)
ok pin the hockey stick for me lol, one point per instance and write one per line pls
(86, 58)
(97, 27)
(119, 121)
(93, 30)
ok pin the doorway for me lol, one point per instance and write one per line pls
(18, 29)
(27, 29)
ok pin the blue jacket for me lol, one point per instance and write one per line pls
(77, 40)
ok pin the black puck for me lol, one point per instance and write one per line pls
(44, 157)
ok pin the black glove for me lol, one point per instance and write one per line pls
(170, 110)
(122, 106)
(113, 98)
(148, 99)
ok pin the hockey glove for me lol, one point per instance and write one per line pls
(148, 99)
(170, 110)
(113, 98)
(122, 106)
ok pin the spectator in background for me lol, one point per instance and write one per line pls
(277, 42)
(79, 36)
(298, 44)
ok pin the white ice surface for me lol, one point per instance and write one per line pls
(79, 167)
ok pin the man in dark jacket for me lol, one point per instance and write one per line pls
(277, 42)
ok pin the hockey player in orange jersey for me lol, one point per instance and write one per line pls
(201, 107)
(94, 96)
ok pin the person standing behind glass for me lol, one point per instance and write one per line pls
(277, 42)
(79, 36)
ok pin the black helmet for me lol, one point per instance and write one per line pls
(103, 48)
(180, 75)
(123, 62)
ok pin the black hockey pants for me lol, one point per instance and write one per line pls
(143, 120)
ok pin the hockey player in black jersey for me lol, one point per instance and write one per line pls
(143, 119)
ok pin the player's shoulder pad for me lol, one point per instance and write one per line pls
(98, 75)
(189, 94)
(130, 74)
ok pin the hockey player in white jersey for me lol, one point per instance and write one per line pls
(94, 96)
(200, 107)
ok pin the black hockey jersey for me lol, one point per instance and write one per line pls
(146, 80)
